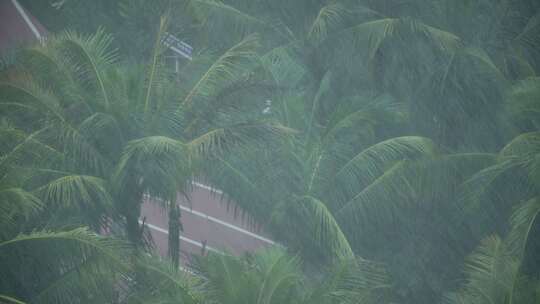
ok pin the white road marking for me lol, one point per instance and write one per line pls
(213, 219)
(203, 186)
(27, 20)
(185, 239)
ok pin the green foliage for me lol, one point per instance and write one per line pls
(272, 276)
(405, 132)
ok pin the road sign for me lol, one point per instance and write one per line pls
(177, 46)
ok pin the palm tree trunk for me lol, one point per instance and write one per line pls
(175, 227)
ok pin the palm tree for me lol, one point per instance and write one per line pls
(120, 132)
(48, 259)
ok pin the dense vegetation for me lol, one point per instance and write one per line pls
(399, 161)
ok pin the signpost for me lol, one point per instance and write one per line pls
(176, 45)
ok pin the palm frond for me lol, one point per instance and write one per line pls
(228, 67)
(154, 275)
(377, 31)
(153, 81)
(520, 152)
(285, 68)
(26, 149)
(225, 275)
(311, 218)
(279, 272)
(528, 37)
(90, 57)
(323, 88)
(329, 17)
(269, 276)
(521, 222)
(478, 185)
(213, 9)
(405, 184)
(49, 69)
(49, 258)
(26, 93)
(483, 57)
(351, 280)
(78, 191)
(230, 175)
(16, 203)
(523, 105)
(81, 238)
(212, 141)
(523, 147)
(7, 299)
(492, 271)
(368, 165)
(217, 141)
(157, 164)
(382, 110)
(103, 129)
(79, 148)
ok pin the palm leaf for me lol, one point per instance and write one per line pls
(492, 271)
(523, 105)
(228, 67)
(28, 94)
(312, 217)
(522, 221)
(282, 64)
(28, 149)
(374, 33)
(49, 68)
(405, 184)
(78, 147)
(7, 299)
(156, 276)
(280, 272)
(528, 37)
(103, 128)
(329, 17)
(213, 9)
(16, 203)
(154, 78)
(77, 254)
(157, 164)
(225, 275)
(365, 167)
(350, 281)
(90, 57)
(78, 191)
(219, 140)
